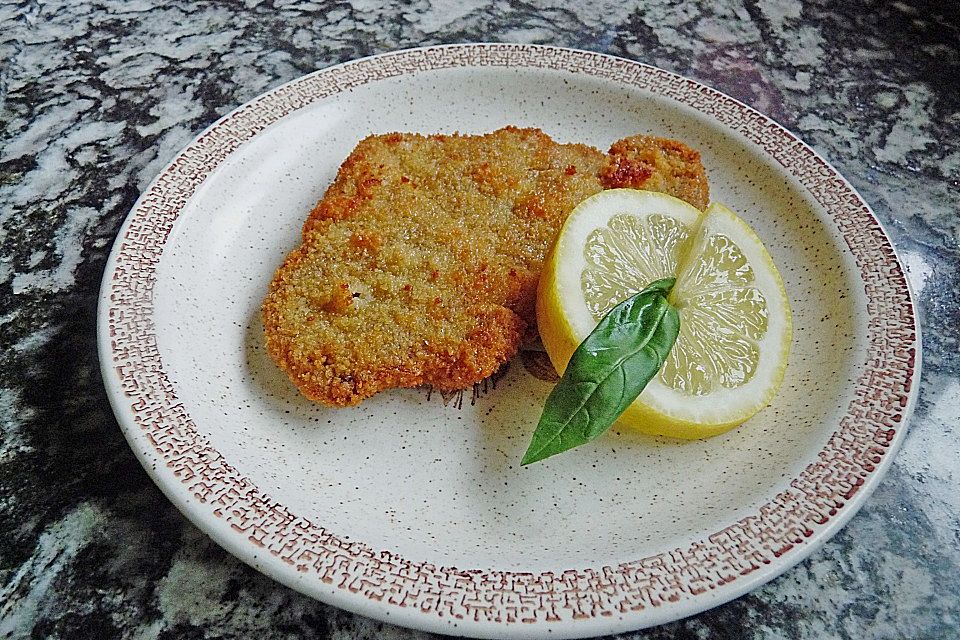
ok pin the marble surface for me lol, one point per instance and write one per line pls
(96, 96)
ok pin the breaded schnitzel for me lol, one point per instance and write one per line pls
(420, 264)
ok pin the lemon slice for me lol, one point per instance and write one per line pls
(735, 323)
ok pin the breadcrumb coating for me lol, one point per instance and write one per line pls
(420, 264)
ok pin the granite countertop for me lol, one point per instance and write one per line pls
(96, 96)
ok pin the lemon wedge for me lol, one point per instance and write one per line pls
(735, 321)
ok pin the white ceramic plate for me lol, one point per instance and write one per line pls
(414, 510)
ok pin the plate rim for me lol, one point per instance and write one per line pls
(572, 621)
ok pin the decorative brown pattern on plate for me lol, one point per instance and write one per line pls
(815, 497)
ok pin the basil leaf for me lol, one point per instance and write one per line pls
(607, 371)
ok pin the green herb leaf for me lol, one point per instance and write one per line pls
(607, 371)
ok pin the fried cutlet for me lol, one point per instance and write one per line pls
(420, 264)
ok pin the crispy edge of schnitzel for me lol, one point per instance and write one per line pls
(657, 164)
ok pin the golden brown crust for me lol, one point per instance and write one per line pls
(420, 264)
(657, 164)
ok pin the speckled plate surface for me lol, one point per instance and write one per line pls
(412, 508)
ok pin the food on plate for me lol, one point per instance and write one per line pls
(420, 264)
(732, 325)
